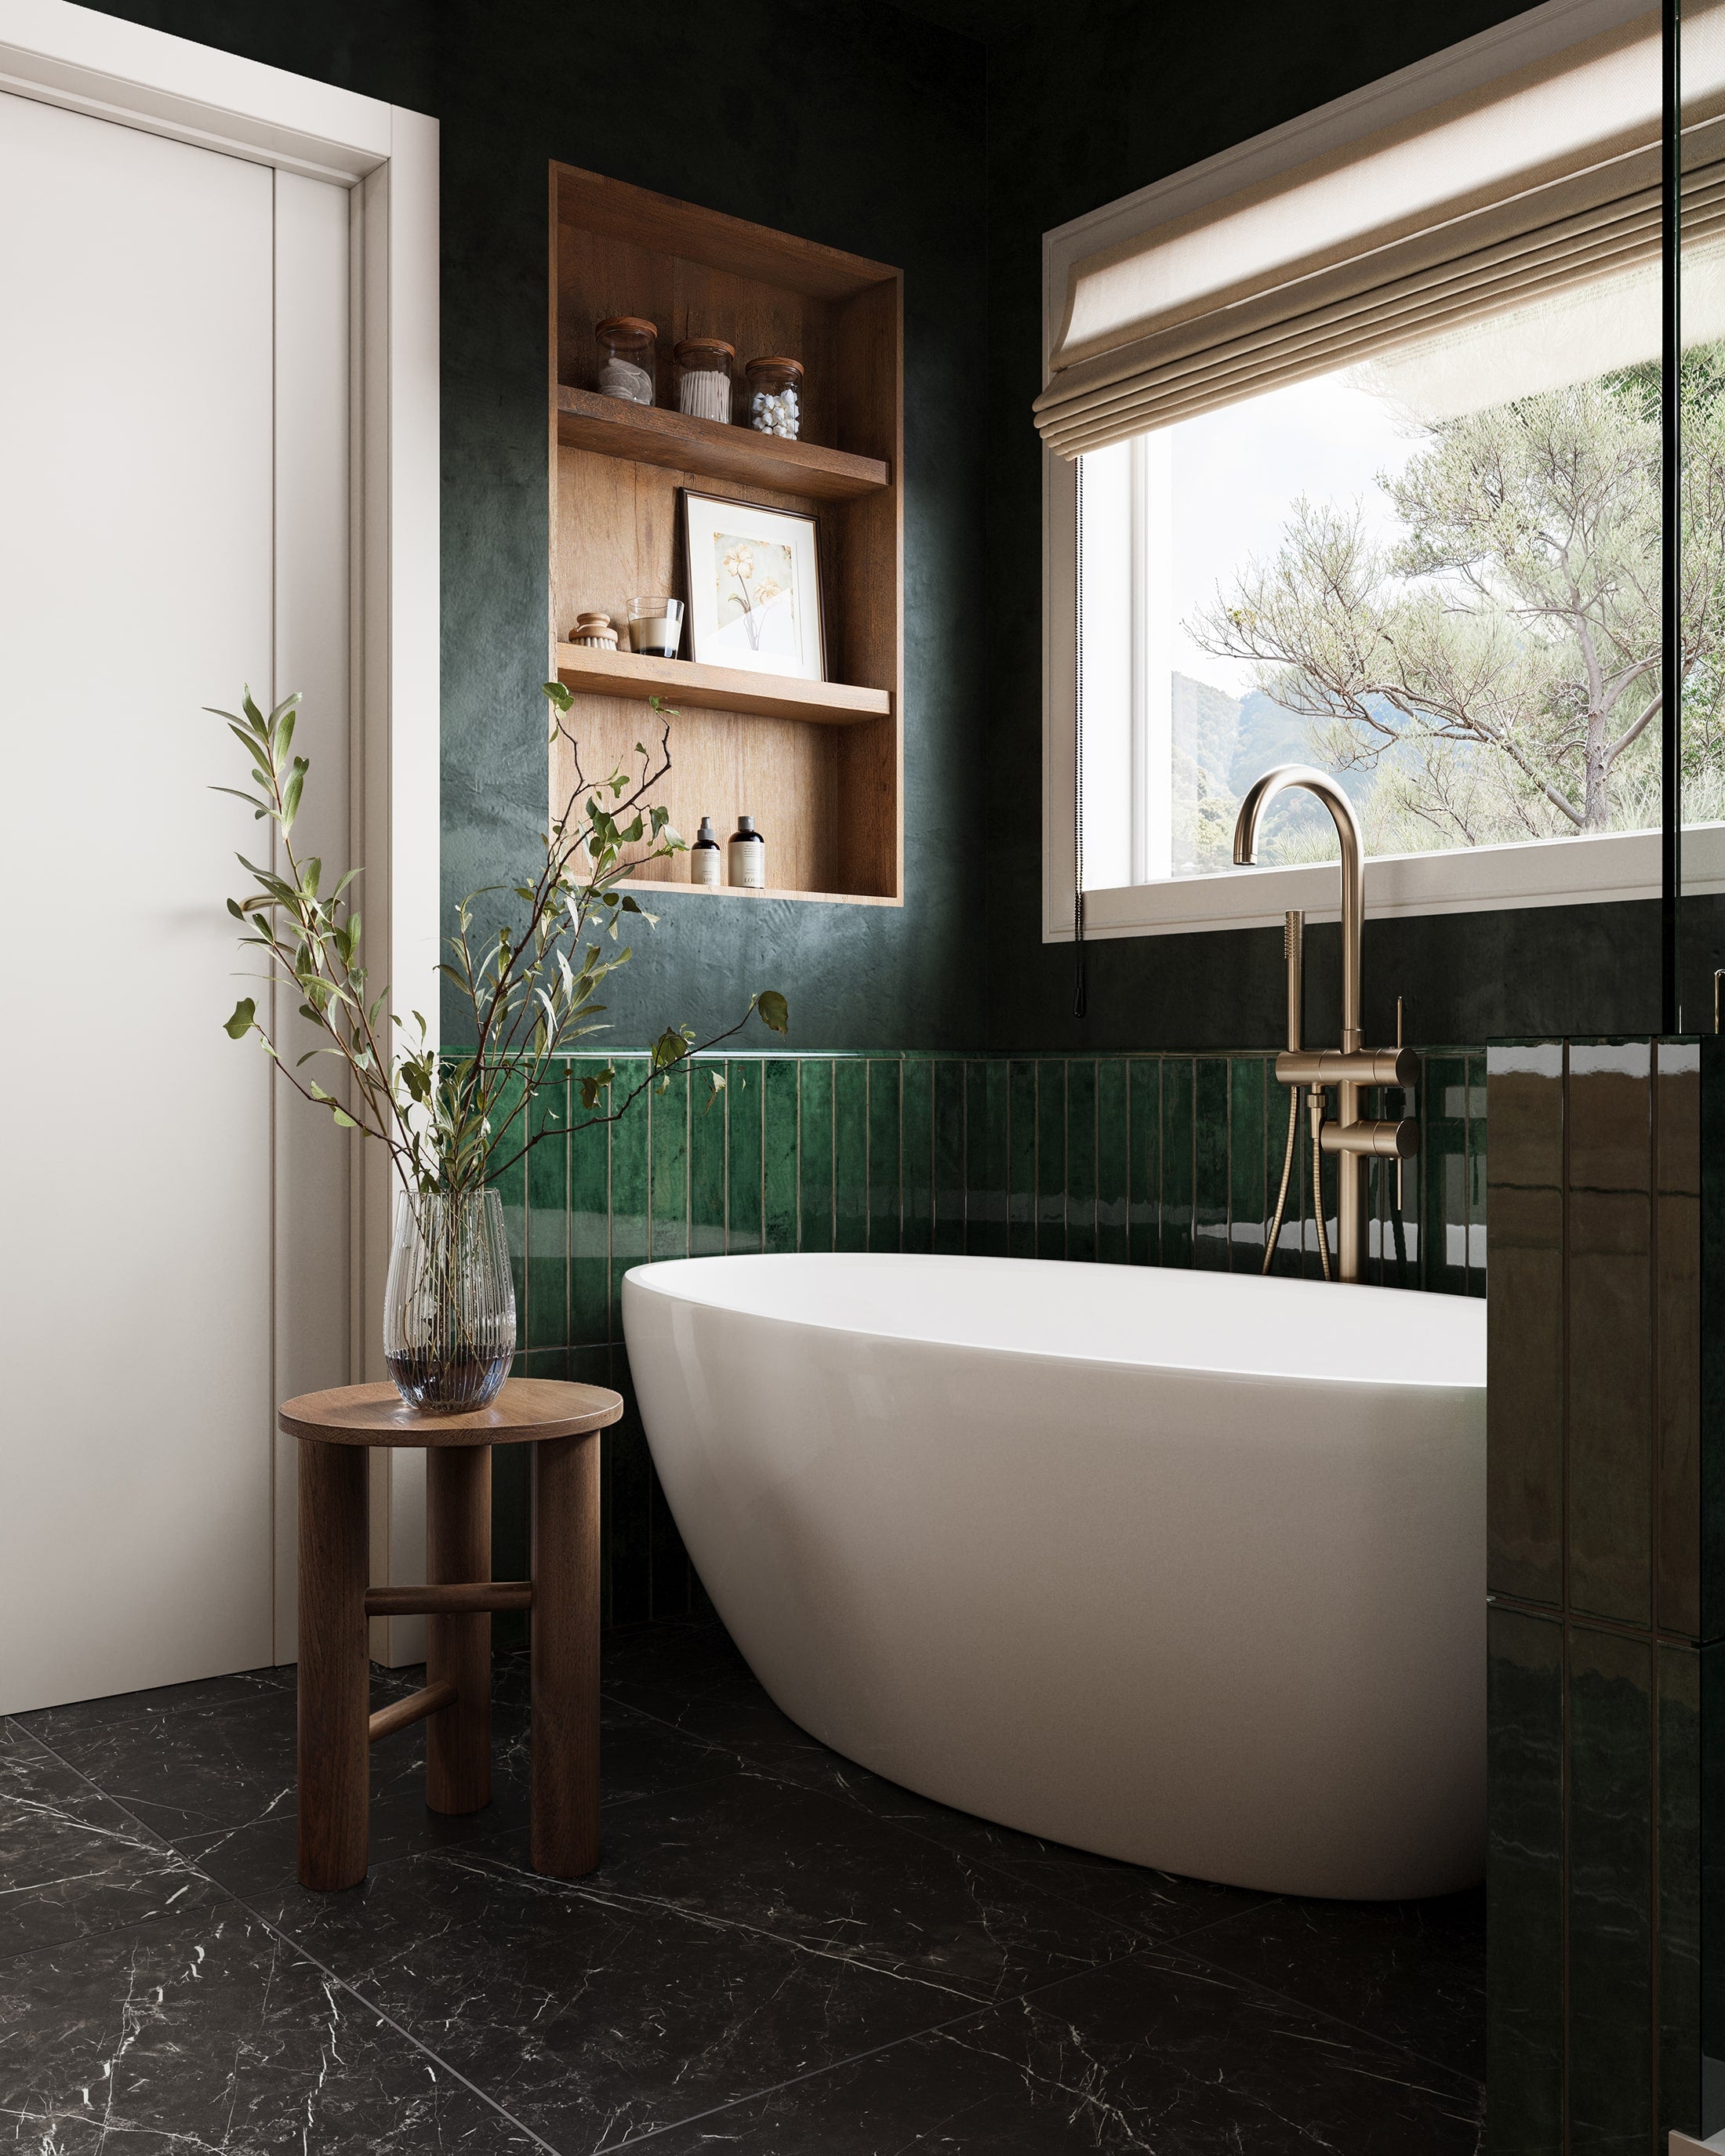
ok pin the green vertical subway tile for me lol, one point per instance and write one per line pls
(668, 1208)
(1081, 1160)
(814, 1155)
(948, 1154)
(589, 1214)
(1210, 1193)
(630, 1136)
(1281, 1102)
(987, 1080)
(586, 1366)
(745, 1100)
(885, 1136)
(1610, 1818)
(1179, 1135)
(1524, 1885)
(1677, 1886)
(919, 1078)
(1021, 1160)
(850, 1153)
(1478, 1162)
(778, 1145)
(548, 1193)
(1050, 1158)
(707, 1125)
(1609, 1457)
(1143, 1115)
(510, 1184)
(1443, 1160)
(1247, 1218)
(1113, 1146)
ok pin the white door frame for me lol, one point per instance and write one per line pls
(387, 158)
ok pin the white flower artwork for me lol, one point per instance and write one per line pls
(754, 587)
(757, 598)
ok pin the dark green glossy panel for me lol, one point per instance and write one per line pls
(1144, 1160)
(1525, 1325)
(1442, 1154)
(590, 1218)
(1611, 2011)
(1678, 1888)
(986, 1086)
(630, 1135)
(951, 1111)
(1524, 1885)
(1610, 1405)
(1021, 1160)
(1250, 1198)
(1178, 1149)
(707, 1121)
(1677, 1306)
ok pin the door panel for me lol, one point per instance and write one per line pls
(138, 582)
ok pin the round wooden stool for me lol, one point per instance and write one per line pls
(561, 1424)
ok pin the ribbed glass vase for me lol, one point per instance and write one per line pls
(448, 1308)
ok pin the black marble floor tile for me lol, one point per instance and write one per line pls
(593, 2013)
(1160, 2054)
(1412, 1974)
(201, 2030)
(190, 1758)
(72, 1864)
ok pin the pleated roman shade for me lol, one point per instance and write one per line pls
(1541, 180)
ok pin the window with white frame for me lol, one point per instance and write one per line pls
(1358, 463)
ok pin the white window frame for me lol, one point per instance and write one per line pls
(387, 156)
(1588, 870)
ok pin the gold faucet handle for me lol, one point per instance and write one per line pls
(1391, 1139)
(1358, 1066)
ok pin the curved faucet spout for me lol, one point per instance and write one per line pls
(1302, 778)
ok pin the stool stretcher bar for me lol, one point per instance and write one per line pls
(403, 1713)
(462, 1598)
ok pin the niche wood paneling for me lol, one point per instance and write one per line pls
(818, 765)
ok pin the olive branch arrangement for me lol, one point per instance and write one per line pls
(455, 1119)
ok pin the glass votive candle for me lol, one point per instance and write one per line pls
(656, 627)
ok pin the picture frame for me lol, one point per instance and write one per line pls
(754, 587)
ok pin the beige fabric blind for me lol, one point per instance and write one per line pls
(1545, 179)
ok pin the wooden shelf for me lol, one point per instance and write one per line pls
(597, 672)
(655, 890)
(650, 435)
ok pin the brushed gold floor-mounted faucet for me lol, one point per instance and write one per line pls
(1354, 1139)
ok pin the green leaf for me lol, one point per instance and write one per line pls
(343, 1118)
(554, 692)
(245, 1012)
(290, 792)
(775, 1011)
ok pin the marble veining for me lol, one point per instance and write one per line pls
(780, 1952)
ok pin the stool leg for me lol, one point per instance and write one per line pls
(335, 1665)
(458, 1546)
(566, 1656)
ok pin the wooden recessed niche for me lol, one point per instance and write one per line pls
(818, 765)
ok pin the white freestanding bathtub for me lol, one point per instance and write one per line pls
(1185, 1567)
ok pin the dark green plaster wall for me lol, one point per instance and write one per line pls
(852, 125)
(1125, 96)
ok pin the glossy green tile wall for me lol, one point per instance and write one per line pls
(1170, 1160)
(1601, 1626)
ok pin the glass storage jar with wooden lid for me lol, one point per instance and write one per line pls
(704, 365)
(776, 397)
(628, 357)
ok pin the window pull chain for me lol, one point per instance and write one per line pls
(1079, 995)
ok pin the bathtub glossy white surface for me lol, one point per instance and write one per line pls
(1187, 1569)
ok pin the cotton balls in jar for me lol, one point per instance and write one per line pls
(775, 397)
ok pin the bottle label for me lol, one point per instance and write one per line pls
(748, 863)
(704, 865)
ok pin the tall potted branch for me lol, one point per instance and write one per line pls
(454, 1120)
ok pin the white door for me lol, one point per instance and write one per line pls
(174, 504)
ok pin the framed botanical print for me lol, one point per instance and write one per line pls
(754, 587)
